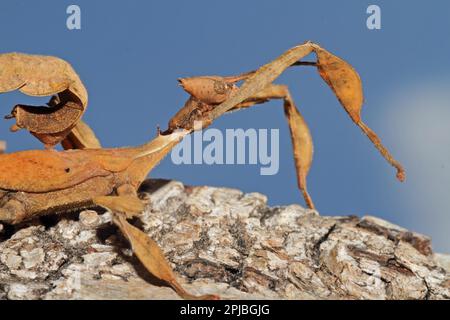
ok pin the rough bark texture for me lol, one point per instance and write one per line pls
(225, 242)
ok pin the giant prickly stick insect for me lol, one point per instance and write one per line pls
(40, 182)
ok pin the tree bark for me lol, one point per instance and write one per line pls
(225, 242)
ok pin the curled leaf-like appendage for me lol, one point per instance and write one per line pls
(37, 75)
(47, 120)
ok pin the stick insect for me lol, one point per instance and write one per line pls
(40, 182)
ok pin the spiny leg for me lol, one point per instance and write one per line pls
(127, 205)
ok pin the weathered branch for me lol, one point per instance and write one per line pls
(224, 242)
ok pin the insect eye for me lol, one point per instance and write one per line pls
(67, 170)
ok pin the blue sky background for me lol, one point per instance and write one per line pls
(130, 53)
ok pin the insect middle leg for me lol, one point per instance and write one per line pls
(302, 143)
(199, 111)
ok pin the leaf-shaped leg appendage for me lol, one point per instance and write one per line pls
(37, 75)
(81, 137)
(346, 84)
(302, 143)
(49, 124)
(146, 249)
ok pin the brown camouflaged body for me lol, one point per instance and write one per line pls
(39, 182)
